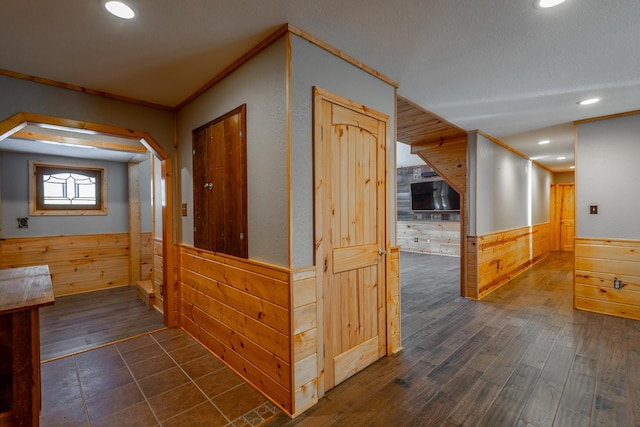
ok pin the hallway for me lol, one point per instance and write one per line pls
(521, 357)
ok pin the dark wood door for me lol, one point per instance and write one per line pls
(220, 184)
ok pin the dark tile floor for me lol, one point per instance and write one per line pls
(160, 379)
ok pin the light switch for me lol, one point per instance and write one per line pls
(593, 209)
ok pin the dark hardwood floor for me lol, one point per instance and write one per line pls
(83, 321)
(521, 357)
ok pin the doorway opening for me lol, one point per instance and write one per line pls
(31, 135)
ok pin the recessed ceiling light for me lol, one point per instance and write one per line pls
(119, 9)
(549, 3)
(588, 101)
(572, 167)
(562, 158)
(544, 141)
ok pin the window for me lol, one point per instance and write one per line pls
(67, 190)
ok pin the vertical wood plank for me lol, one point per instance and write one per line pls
(171, 296)
(134, 223)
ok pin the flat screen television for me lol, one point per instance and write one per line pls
(434, 196)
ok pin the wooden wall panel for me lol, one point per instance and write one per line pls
(598, 262)
(448, 157)
(305, 338)
(394, 341)
(471, 282)
(146, 256)
(80, 263)
(503, 255)
(541, 235)
(433, 237)
(240, 310)
(157, 276)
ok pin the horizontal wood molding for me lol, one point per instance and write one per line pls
(610, 116)
(268, 41)
(78, 141)
(347, 58)
(241, 311)
(76, 88)
(18, 121)
(501, 256)
(79, 263)
(598, 263)
(513, 150)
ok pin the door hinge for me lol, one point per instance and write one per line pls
(240, 134)
(241, 236)
(194, 152)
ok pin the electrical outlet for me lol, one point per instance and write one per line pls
(415, 239)
(617, 283)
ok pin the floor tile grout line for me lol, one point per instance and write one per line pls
(84, 402)
(210, 399)
(135, 380)
(192, 381)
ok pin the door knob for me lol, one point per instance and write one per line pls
(382, 252)
(208, 185)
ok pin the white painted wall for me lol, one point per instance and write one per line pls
(511, 192)
(564, 178)
(145, 196)
(607, 175)
(14, 175)
(405, 158)
(540, 195)
(261, 84)
(24, 96)
(312, 66)
(158, 195)
(472, 172)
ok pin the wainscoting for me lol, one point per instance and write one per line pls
(494, 259)
(430, 237)
(265, 322)
(305, 338)
(599, 262)
(77, 264)
(240, 310)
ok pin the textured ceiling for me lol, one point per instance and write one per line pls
(501, 66)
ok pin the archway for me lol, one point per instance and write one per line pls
(80, 133)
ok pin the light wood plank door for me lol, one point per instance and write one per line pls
(350, 159)
(565, 204)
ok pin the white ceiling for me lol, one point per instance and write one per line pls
(504, 67)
